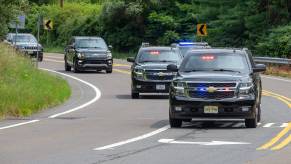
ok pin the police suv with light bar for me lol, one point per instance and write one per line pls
(149, 69)
(216, 83)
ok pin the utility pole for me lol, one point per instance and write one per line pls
(61, 3)
(38, 41)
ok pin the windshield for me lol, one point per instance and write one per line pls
(24, 38)
(215, 62)
(184, 50)
(158, 56)
(91, 43)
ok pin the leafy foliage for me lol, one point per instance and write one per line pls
(127, 23)
(9, 9)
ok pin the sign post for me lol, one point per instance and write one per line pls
(38, 31)
(19, 23)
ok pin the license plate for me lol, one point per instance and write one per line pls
(160, 87)
(211, 109)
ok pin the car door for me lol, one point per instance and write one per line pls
(255, 76)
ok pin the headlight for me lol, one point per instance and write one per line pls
(245, 88)
(109, 55)
(138, 71)
(81, 55)
(179, 88)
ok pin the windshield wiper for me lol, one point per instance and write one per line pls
(147, 61)
(225, 70)
(194, 70)
(164, 61)
(90, 47)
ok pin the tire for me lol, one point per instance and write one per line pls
(252, 122)
(40, 58)
(67, 67)
(259, 114)
(109, 70)
(175, 123)
(134, 95)
(76, 70)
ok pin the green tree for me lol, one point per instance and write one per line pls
(9, 9)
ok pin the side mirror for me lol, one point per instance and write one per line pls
(130, 59)
(110, 47)
(172, 68)
(259, 68)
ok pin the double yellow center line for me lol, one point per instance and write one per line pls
(274, 144)
(276, 139)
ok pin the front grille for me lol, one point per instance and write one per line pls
(216, 85)
(30, 48)
(95, 62)
(99, 56)
(214, 95)
(159, 75)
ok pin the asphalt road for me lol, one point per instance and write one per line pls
(102, 124)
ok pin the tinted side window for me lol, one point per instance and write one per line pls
(250, 56)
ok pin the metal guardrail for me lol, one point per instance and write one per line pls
(273, 60)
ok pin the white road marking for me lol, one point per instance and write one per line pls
(19, 124)
(97, 94)
(275, 78)
(134, 139)
(212, 143)
(268, 125)
(284, 125)
(54, 57)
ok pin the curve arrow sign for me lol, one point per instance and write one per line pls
(48, 24)
(201, 29)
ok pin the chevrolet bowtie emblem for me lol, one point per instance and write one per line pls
(161, 74)
(211, 89)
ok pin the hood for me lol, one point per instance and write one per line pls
(27, 44)
(94, 53)
(155, 65)
(214, 76)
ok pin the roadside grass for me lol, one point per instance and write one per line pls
(123, 55)
(282, 71)
(25, 90)
(54, 49)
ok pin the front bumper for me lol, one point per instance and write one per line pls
(95, 64)
(150, 86)
(32, 52)
(233, 108)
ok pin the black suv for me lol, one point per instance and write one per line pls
(216, 83)
(149, 69)
(88, 53)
